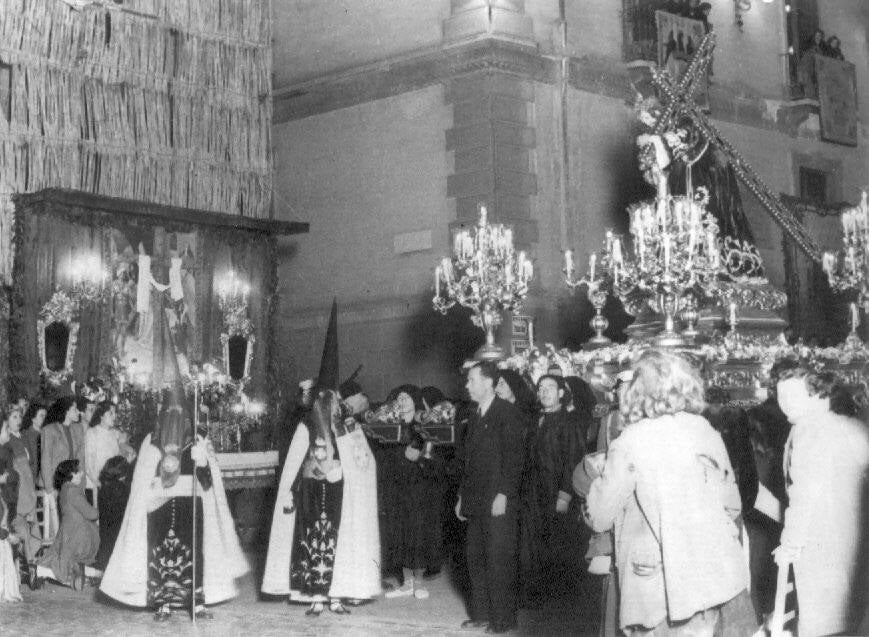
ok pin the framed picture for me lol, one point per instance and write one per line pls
(837, 94)
(678, 39)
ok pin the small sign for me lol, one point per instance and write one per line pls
(521, 334)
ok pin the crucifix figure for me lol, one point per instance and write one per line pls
(678, 102)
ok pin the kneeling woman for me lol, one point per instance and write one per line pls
(324, 544)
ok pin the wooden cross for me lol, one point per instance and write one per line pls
(678, 102)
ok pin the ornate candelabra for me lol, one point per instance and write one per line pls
(597, 289)
(87, 278)
(848, 269)
(676, 255)
(485, 275)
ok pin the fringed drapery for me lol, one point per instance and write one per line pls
(164, 101)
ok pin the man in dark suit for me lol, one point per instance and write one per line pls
(489, 501)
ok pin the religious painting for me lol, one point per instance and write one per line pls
(678, 39)
(837, 94)
(153, 311)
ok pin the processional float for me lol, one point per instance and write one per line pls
(690, 288)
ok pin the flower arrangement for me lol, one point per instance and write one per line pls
(443, 413)
(763, 350)
(60, 308)
(386, 414)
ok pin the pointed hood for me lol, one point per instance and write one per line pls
(328, 376)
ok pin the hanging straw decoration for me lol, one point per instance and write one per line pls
(164, 101)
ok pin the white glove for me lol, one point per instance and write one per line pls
(199, 453)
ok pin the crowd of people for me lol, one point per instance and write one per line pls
(818, 46)
(52, 460)
(665, 499)
(658, 494)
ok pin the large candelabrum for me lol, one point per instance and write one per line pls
(848, 269)
(485, 275)
(675, 254)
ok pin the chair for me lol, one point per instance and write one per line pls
(46, 516)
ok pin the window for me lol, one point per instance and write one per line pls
(802, 22)
(813, 185)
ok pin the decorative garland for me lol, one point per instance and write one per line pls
(60, 308)
(721, 350)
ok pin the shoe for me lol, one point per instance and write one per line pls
(200, 612)
(500, 628)
(33, 581)
(78, 578)
(420, 593)
(338, 608)
(315, 609)
(405, 590)
(474, 623)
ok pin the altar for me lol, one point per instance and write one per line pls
(131, 298)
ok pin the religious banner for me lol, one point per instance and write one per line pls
(837, 94)
(678, 39)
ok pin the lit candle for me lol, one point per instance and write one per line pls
(855, 317)
(617, 250)
(616, 275)
(458, 244)
(829, 263)
(483, 215)
(592, 261)
(568, 263)
(609, 240)
(733, 315)
(531, 333)
(438, 281)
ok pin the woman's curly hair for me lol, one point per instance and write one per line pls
(663, 383)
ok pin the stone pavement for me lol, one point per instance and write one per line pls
(55, 610)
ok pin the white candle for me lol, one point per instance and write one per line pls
(483, 215)
(568, 263)
(617, 250)
(592, 261)
(531, 333)
(829, 263)
(733, 314)
(609, 240)
(855, 317)
(438, 281)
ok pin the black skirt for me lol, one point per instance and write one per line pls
(170, 554)
(315, 537)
